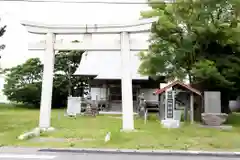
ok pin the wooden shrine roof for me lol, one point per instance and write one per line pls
(178, 83)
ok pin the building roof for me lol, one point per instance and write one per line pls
(107, 65)
(179, 83)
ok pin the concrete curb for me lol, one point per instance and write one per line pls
(144, 152)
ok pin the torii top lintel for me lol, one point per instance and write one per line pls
(141, 26)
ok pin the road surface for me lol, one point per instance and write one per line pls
(90, 156)
(28, 154)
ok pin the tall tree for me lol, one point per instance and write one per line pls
(66, 63)
(198, 39)
(23, 82)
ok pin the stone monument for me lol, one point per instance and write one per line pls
(74, 106)
(234, 105)
(212, 115)
(142, 106)
(91, 108)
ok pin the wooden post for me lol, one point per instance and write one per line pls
(186, 112)
(162, 106)
(192, 108)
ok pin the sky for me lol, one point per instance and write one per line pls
(16, 37)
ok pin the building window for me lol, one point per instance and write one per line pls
(116, 93)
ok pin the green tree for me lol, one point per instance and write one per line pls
(198, 39)
(23, 82)
(65, 83)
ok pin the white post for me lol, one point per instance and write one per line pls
(171, 107)
(127, 95)
(47, 82)
(87, 39)
(169, 121)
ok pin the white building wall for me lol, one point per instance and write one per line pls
(99, 93)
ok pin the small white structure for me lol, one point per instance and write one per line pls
(124, 47)
(107, 137)
(169, 120)
(170, 114)
(74, 106)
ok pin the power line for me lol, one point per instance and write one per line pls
(92, 2)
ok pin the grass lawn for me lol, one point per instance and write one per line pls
(150, 136)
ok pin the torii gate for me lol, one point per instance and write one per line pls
(125, 46)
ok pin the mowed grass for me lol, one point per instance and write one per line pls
(13, 122)
(147, 136)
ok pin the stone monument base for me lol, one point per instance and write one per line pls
(214, 119)
(170, 123)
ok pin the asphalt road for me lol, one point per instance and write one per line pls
(91, 156)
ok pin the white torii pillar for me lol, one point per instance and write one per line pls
(47, 82)
(125, 47)
(127, 95)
